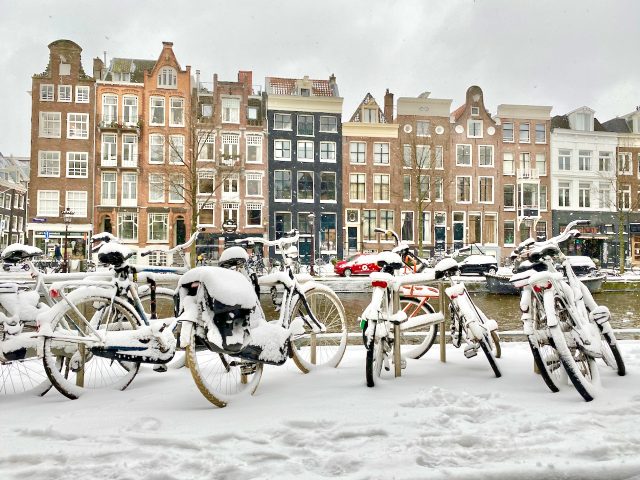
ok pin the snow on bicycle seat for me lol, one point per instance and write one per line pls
(389, 259)
(114, 254)
(233, 257)
(229, 287)
(17, 252)
(537, 253)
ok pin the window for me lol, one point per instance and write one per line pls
(230, 148)
(167, 78)
(46, 93)
(369, 115)
(305, 151)
(49, 126)
(485, 153)
(507, 132)
(328, 124)
(327, 186)
(205, 182)
(252, 113)
(463, 155)
(305, 124)
(283, 223)
(543, 197)
(509, 197)
(463, 189)
(64, 93)
(524, 133)
(129, 150)
(624, 197)
(541, 230)
(604, 195)
(156, 187)
(423, 128)
(48, 203)
(254, 214)
(77, 202)
(485, 186)
(327, 151)
(109, 109)
(508, 165)
(176, 114)
(541, 133)
(474, 128)
(357, 191)
(77, 125)
(108, 189)
(564, 160)
(305, 186)
(423, 185)
(357, 152)
(584, 160)
(207, 111)
(423, 156)
(525, 163)
(158, 227)
(77, 164)
(82, 94)
(206, 146)
(381, 153)
(48, 164)
(128, 227)
(584, 196)
(282, 121)
(176, 189)
(109, 156)
(541, 164)
(304, 227)
(156, 148)
(253, 184)
(406, 187)
(439, 189)
(426, 227)
(439, 158)
(509, 232)
(328, 240)
(282, 185)
(282, 149)
(406, 231)
(130, 110)
(490, 228)
(176, 149)
(369, 223)
(156, 105)
(254, 148)
(604, 162)
(407, 156)
(129, 189)
(386, 220)
(231, 110)
(381, 188)
(624, 163)
(230, 187)
(564, 194)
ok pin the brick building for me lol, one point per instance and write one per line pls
(62, 150)
(14, 180)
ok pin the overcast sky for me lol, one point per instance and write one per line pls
(542, 52)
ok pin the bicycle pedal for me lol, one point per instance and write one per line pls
(470, 351)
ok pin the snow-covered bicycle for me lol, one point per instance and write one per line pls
(566, 329)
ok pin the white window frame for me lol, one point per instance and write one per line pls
(109, 150)
(256, 178)
(380, 176)
(82, 158)
(54, 200)
(230, 109)
(253, 206)
(357, 154)
(313, 126)
(176, 149)
(168, 78)
(156, 179)
(129, 189)
(279, 147)
(357, 183)
(514, 194)
(130, 110)
(488, 165)
(479, 123)
(381, 153)
(520, 138)
(158, 218)
(508, 140)
(109, 108)
(110, 200)
(493, 186)
(254, 141)
(331, 130)
(544, 131)
(282, 117)
(470, 164)
(77, 205)
(82, 93)
(129, 150)
(77, 120)
(305, 146)
(470, 189)
(159, 103)
(313, 186)
(50, 125)
(65, 93)
(47, 92)
(331, 152)
(48, 163)
(122, 219)
(283, 199)
(176, 184)
(176, 106)
(564, 159)
(335, 187)
(151, 149)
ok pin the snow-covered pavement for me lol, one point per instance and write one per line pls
(453, 420)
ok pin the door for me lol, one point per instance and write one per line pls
(352, 239)
(458, 230)
(181, 231)
(304, 250)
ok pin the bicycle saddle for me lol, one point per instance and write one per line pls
(538, 253)
(114, 254)
(389, 261)
(17, 252)
(233, 257)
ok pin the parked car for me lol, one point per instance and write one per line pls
(478, 265)
(582, 265)
(359, 264)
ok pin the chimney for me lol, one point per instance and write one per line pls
(333, 85)
(98, 67)
(245, 77)
(388, 106)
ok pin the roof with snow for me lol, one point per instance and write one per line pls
(289, 86)
(135, 66)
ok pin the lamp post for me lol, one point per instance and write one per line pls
(67, 215)
(312, 218)
(229, 227)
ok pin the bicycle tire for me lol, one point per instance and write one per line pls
(486, 348)
(24, 377)
(611, 344)
(309, 350)
(219, 377)
(581, 369)
(546, 368)
(412, 307)
(373, 365)
(495, 341)
(545, 355)
(101, 372)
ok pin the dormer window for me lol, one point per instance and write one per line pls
(305, 92)
(370, 115)
(584, 122)
(475, 111)
(167, 78)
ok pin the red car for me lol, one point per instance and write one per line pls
(359, 264)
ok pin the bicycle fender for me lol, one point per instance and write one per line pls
(185, 333)
(550, 308)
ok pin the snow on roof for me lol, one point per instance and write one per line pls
(287, 86)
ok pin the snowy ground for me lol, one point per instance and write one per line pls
(452, 420)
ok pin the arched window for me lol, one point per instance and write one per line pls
(168, 78)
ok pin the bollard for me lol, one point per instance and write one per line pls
(442, 303)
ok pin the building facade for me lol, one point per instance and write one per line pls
(304, 118)
(62, 151)
(14, 181)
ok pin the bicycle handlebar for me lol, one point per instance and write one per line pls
(183, 246)
(388, 232)
(568, 232)
(290, 237)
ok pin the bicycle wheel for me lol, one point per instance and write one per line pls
(580, 368)
(495, 343)
(545, 355)
(312, 350)
(374, 361)
(485, 343)
(164, 301)
(24, 376)
(83, 369)
(611, 354)
(219, 377)
(418, 340)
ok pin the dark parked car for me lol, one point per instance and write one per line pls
(359, 264)
(478, 265)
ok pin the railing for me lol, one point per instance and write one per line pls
(528, 174)
(257, 122)
(131, 161)
(529, 211)
(107, 122)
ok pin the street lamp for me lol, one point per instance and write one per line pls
(67, 215)
(312, 218)
(229, 227)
